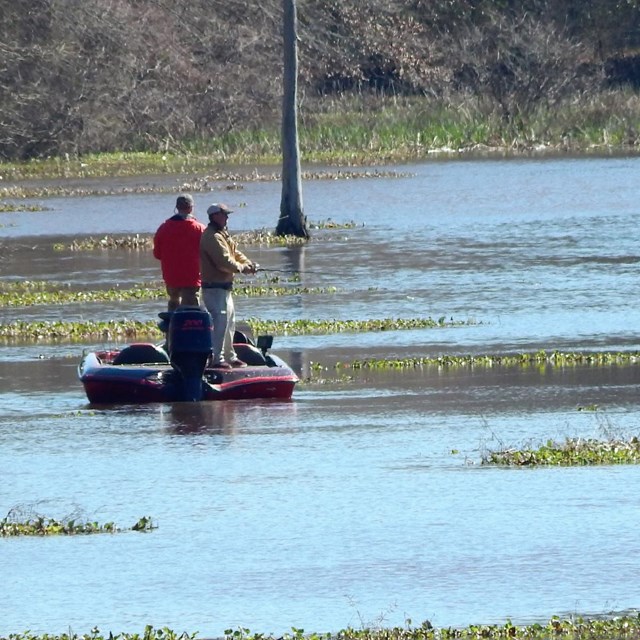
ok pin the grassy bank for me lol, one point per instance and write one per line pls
(366, 132)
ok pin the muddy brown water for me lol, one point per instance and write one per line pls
(363, 501)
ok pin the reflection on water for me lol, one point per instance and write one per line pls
(361, 502)
(199, 418)
(220, 418)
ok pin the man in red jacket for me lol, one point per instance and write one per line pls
(177, 245)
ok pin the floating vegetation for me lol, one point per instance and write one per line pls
(200, 184)
(29, 293)
(267, 238)
(575, 628)
(538, 358)
(43, 330)
(145, 241)
(42, 526)
(150, 633)
(7, 207)
(108, 242)
(315, 327)
(571, 452)
(58, 330)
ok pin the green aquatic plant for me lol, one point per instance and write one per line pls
(571, 452)
(57, 330)
(204, 184)
(145, 241)
(540, 359)
(149, 633)
(319, 327)
(43, 330)
(578, 628)
(29, 293)
(42, 526)
(8, 207)
(626, 627)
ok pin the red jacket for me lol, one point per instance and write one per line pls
(177, 245)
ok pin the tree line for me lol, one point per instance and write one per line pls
(83, 76)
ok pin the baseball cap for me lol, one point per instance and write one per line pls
(218, 207)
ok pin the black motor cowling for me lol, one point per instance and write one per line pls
(189, 347)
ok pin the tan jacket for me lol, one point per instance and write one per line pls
(220, 259)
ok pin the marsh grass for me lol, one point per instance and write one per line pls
(360, 130)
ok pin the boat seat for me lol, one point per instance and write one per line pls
(241, 338)
(250, 354)
(142, 353)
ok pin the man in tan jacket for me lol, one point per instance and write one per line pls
(220, 260)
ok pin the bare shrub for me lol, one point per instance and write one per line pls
(521, 63)
(79, 76)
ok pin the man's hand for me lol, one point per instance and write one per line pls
(250, 268)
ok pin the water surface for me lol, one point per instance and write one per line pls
(361, 502)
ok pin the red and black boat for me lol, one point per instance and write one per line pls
(178, 370)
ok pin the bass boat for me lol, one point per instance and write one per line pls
(179, 370)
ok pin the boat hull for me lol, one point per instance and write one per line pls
(108, 383)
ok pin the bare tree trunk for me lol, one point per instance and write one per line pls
(292, 220)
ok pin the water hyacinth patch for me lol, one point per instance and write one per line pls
(150, 633)
(42, 526)
(576, 628)
(571, 452)
(59, 330)
(27, 294)
(320, 327)
(265, 237)
(540, 358)
(39, 331)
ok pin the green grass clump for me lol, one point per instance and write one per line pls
(261, 237)
(41, 526)
(40, 331)
(320, 327)
(149, 633)
(541, 359)
(28, 294)
(625, 627)
(571, 452)
(59, 330)
(7, 207)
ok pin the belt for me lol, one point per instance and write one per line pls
(217, 285)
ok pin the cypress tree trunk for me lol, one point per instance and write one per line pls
(292, 220)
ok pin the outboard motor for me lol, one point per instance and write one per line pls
(189, 347)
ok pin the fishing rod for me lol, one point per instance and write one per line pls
(293, 271)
